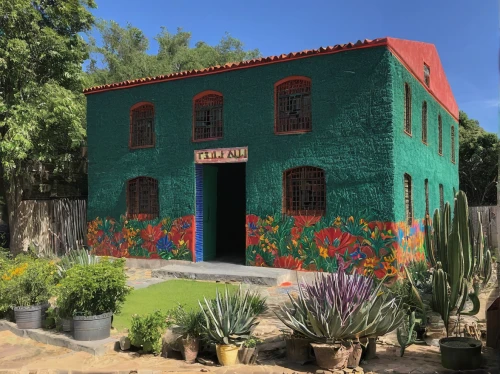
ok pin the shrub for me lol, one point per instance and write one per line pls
(75, 257)
(89, 290)
(189, 321)
(27, 282)
(146, 331)
(252, 342)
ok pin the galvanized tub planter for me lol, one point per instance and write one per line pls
(67, 324)
(28, 317)
(460, 353)
(92, 327)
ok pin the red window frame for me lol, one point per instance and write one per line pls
(142, 111)
(208, 104)
(299, 182)
(284, 90)
(142, 198)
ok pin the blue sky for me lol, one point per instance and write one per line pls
(465, 32)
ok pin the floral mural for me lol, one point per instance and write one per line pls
(312, 243)
(160, 238)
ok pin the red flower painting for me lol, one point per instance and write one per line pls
(306, 221)
(334, 240)
(288, 262)
(252, 230)
(150, 236)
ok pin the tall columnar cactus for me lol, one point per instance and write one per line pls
(429, 243)
(406, 334)
(461, 223)
(440, 296)
(455, 271)
(486, 267)
(478, 246)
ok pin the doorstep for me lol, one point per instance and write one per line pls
(59, 339)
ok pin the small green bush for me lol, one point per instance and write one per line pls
(252, 342)
(146, 331)
(89, 290)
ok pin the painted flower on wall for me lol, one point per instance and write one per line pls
(334, 240)
(253, 236)
(288, 262)
(150, 237)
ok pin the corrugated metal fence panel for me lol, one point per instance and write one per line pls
(489, 218)
(199, 213)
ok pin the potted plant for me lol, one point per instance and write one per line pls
(247, 354)
(28, 285)
(228, 322)
(90, 294)
(146, 331)
(298, 347)
(190, 327)
(335, 311)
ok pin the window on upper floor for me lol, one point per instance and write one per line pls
(427, 75)
(142, 198)
(408, 199)
(440, 135)
(453, 144)
(441, 198)
(293, 105)
(426, 197)
(424, 122)
(407, 114)
(304, 191)
(142, 129)
(208, 116)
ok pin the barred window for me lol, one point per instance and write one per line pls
(142, 198)
(304, 191)
(453, 144)
(208, 121)
(293, 105)
(424, 122)
(427, 75)
(407, 109)
(441, 197)
(440, 135)
(426, 197)
(142, 131)
(408, 200)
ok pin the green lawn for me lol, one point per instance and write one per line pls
(164, 296)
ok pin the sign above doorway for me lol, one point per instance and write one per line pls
(221, 155)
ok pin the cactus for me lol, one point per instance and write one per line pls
(429, 244)
(440, 296)
(407, 334)
(486, 267)
(461, 223)
(479, 246)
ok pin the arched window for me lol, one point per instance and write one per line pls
(142, 198)
(424, 122)
(142, 129)
(453, 144)
(440, 135)
(408, 200)
(426, 197)
(441, 198)
(407, 109)
(208, 118)
(292, 105)
(304, 191)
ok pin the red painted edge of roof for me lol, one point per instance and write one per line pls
(402, 49)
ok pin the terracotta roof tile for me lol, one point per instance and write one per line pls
(239, 65)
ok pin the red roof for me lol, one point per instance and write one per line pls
(411, 54)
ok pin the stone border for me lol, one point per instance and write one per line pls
(95, 348)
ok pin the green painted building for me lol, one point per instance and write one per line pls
(310, 160)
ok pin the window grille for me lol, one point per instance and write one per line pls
(142, 126)
(424, 122)
(142, 198)
(441, 197)
(426, 197)
(208, 117)
(293, 106)
(407, 109)
(453, 144)
(408, 199)
(304, 191)
(440, 135)
(427, 75)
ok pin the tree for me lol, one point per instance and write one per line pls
(122, 53)
(42, 110)
(478, 162)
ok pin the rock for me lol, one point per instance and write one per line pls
(320, 371)
(171, 339)
(124, 343)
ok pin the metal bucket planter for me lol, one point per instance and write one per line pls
(460, 353)
(92, 327)
(28, 317)
(67, 324)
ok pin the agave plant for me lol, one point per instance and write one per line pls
(229, 318)
(339, 307)
(75, 257)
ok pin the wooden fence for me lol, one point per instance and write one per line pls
(489, 218)
(54, 226)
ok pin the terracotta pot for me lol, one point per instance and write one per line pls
(297, 349)
(331, 356)
(190, 348)
(227, 354)
(355, 356)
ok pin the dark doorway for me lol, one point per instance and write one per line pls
(231, 212)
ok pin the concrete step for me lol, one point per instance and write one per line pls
(224, 272)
